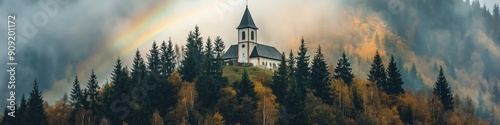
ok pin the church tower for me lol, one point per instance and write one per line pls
(247, 37)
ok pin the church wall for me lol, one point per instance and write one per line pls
(265, 63)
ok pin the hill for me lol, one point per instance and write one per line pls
(233, 73)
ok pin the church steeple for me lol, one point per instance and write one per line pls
(247, 21)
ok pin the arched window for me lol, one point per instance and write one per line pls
(243, 35)
(252, 35)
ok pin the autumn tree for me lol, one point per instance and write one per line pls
(317, 112)
(266, 105)
(394, 80)
(443, 91)
(320, 77)
(343, 70)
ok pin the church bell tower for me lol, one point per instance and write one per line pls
(247, 37)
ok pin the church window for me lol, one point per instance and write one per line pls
(243, 35)
(252, 35)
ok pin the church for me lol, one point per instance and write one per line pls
(248, 52)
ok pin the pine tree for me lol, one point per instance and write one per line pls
(245, 87)
(167, 59)
(302, 74)
(291, 67)
(35, 109)
(280, 81)
(219, 51)
(158, 96)
(118, 89)
(496, 12)
(92, 92)
(76, 94)
(205, 85)
(138, 70)
(190, 67)
(394, 80)
(21, 111)
(377, 72)
(320, 77)
(443, 91)
(343, 70)
(7, 119)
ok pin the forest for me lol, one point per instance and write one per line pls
(191, 84)
(303, 90)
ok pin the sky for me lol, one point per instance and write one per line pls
(58, 39)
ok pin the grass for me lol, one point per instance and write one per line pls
(234, 73)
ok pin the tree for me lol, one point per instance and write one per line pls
(219, 51)
(35, 108)
(496, 12)
(119, 89)
(280, 80)
(443, 91)
(377, 73)
(216, 119)
(245, 87)
(343, 70)
(92, 91)
(320, 77)
(394, 80)
(317, 112)
(76, 94)
(167, 59)
(138, 69)
(211, 80)
(190, 67)
(21, 111)
(302, 74)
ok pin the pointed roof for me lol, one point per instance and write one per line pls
(247, 21)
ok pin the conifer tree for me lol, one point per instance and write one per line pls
(167, 59)
(443, 91)
(92, 92)
(280, 81)
(320, 77)
(76, 94)
(190, 67)
(394, 80)
(21, 111)
(245, 87)
(35, 109)
(139, 72)
(343, 70)
(302, 74)
(377, 72)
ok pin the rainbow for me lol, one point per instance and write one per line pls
(157, 19)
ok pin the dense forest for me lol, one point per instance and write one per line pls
(191, 84)
(301, 91)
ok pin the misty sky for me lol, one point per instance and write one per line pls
(80, 36)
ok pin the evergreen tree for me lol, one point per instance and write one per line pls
(343, 70)
(76, 94)
(245, 87)
(320, 77)
(138, 70)
(443, 91)
(92, 92)
(219, 51)
(35, 109)
(190, 67)
(496, 12)
(377, 73)
(7, 119)
(291, 67)
(357, 100)
(394, 80)
(302, 74)
(118, 89)
(280, 81)
(167, 59)
(159, 97)
(209, 82)
(21, 112)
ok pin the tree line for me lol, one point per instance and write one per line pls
(162, 89)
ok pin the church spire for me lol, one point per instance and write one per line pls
(246, 20)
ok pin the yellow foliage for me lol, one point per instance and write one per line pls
(216, 119)
(156, 119)
(267, 106)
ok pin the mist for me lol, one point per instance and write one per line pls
(413, 34)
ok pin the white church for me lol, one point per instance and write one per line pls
(248, 51)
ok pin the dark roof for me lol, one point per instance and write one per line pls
(247, 21)
(232, 52)
(265, 51)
